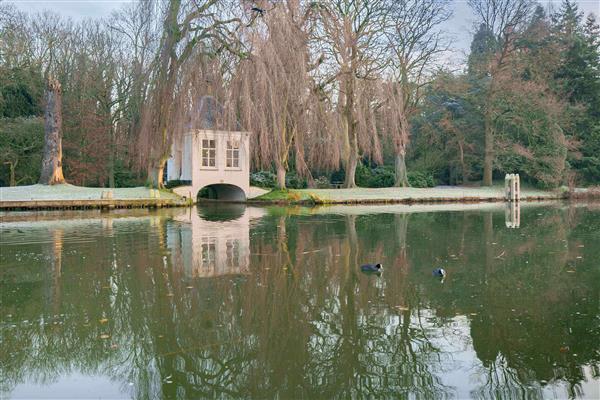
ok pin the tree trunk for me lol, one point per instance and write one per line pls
(111, 173)
(401, 178)
(12, 166)
(111, 160)
(463, 166)
(489, 153)
(280, 178)
(488, 159)
(52, 158)
(350, 181)
(155, 173)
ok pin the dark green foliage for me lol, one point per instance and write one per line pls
(374, 177)
(447, 136)
(322, 182)
(293, 181)
(483, 47)
(263, 179)
(21, 91)
(268, 180)
(578, 79)
(420, 179)
(21, 144)
(176, 183)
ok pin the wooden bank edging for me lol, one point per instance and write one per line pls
(408, 200)
(88, 204)
(32, 205)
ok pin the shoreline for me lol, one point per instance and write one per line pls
(408, 200)
(69, 197)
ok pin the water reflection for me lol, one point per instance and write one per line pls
(252, 302)
(206, 244)
(512, 214)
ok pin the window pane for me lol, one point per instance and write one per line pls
(211, 162)
(212, 144)
(229, 162)
(211, 153)
(204, 143)
(204, 153)
(236, 162)
(236, 154)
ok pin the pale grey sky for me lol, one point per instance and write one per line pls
(460, 26)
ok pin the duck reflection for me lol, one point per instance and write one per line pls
(212, 241)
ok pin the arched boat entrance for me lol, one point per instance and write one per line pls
(221, 192)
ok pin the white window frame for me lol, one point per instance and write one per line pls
(230, 151)
(209, 149)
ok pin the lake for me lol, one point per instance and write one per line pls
(229, 301)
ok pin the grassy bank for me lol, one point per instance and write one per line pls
(69, 196)
(399, 195)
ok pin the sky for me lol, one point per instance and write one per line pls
(460, 26)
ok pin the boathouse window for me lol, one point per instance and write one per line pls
(233, 254)
(233, 154)
(209, 251)
(209, 153)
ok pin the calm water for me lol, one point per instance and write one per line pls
(236, 302)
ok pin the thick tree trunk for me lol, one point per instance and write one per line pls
(401, 178)
(52, 158)
(155, 173)
(280, 178)
(350, 181)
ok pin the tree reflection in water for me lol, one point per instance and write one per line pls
(271, 303)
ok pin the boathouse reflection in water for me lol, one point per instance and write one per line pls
(206, 244)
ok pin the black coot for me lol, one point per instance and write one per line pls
(371, 268)
(439, 272)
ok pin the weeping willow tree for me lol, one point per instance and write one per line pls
(393, 123)
(273, 91)
(190, 27)
(351, 36)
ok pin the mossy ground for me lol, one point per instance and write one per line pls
(289, 197)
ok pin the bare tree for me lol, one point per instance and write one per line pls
(505, 20)
(52, 160)
(351, 34)
(416, 43)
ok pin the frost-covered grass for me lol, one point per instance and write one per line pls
(357, 195)
(71, 192)
(420, 193)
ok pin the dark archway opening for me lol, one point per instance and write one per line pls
(221, 192)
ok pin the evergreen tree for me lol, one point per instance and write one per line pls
(578, 79)
(483, 46)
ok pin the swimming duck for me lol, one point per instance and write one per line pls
(439, 272)
(371, 267)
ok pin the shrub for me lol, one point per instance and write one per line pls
(176, 182)
(420, 179)
(263, 179)
(374, 177)
(322, 183)
(293, 181)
